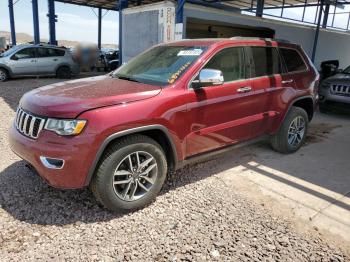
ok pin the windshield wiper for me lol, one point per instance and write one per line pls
(127, 78)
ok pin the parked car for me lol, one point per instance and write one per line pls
(112, 59)
(334, 92)
(174, 104)
(37, 60)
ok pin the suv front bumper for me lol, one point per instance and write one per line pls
(75, 153)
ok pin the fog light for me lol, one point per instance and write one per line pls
(52, 163)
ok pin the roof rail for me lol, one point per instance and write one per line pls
(259, 38)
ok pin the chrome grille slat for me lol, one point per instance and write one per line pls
(25, 123)
(31, 126)
(340, 89)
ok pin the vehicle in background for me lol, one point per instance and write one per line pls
(174, 104)
(37, 60)
(2, 44)
(112, 59)
(101, 62)
(329, 68)
(334, 92)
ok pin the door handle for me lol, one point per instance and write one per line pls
(33, 61)
(287, 81)
(55, 59)
(244, 89)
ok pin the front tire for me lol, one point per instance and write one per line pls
(131, 174)
(4, 75)
(292, 133)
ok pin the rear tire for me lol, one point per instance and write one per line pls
(117, 186)
(63, 72)
(292, 133)
(4, 75)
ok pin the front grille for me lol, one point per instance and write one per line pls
(342, 90)
(28, 124)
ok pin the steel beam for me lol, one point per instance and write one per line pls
(99, 28)
(12, 23)
(52, 21)
(121, 5)
(260, 8)
(317, 32)
(36, 21)
(325, 16)
(180, 11)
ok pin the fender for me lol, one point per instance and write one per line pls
(131, 131)
(291, 104)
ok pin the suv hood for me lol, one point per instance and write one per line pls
(69, 99)
(339, 78)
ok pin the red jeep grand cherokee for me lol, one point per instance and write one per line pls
(122, 133)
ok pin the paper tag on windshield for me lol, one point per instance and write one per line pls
(193, 52)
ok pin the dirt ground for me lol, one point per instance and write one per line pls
(250, 204)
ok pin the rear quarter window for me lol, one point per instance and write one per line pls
(293, 60)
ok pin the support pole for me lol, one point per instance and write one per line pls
(12, 23)
(180, 11)
(260, 8)
(325, 16)
(121, 4)
(52, 20)
(99, 28)
(317, 32)
(36, 21)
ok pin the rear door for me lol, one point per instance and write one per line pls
(267, 83)
(222, 115)
(49, 59)
(24, 62)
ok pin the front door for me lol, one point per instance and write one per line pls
(221, 115)
(24, 62)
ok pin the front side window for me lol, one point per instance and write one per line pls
(293, 60)
(266, 61)
(25, 53)
(161, 65)
(230, 62)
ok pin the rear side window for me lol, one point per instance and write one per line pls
(56, 52)
(50, 52)
(293, 60)
(266, 61)
(230, 61)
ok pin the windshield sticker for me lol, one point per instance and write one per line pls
(193, 52)
(174, 76)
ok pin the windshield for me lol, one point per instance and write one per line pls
(347, 70)
(10, 51)
(161, 65)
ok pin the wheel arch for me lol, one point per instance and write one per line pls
(306, 103)
(158, 133)
(8, 70)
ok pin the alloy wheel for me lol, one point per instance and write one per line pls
(296, 131)
(135, 175)
(2, 75)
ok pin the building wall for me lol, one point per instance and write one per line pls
(331, 45)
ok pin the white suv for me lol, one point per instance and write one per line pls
(34, 60)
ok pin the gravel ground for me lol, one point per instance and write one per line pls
(197, 217)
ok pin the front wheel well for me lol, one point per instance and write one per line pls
(306, 104)
(157, 135)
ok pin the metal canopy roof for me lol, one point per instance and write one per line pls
(239, 4)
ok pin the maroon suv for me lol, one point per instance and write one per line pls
(122, 133)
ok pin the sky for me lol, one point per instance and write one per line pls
(78, 23)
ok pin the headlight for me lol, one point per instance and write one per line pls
(65, 127)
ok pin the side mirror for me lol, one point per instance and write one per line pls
(14, 57)
(208, 77)
(339, 71)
